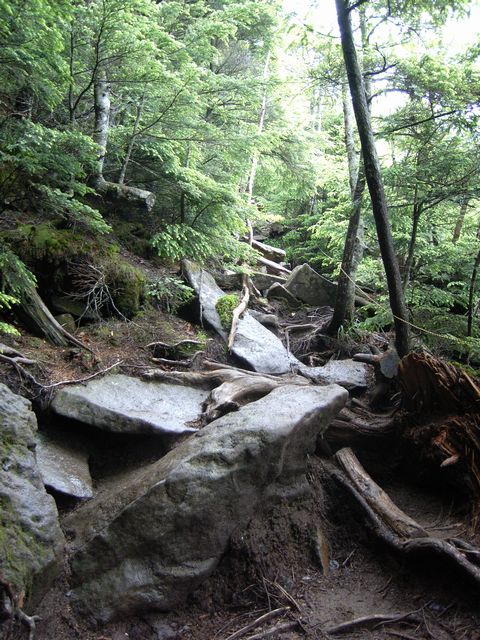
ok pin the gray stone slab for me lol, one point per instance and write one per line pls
(347, 373)
(124, 404)
(254, 344)
(63, 468)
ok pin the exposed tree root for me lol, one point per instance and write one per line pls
(395, 527)
(231, 388)
(430, 384)
(13, 609)
(372, 622)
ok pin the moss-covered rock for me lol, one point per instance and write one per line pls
(31, 542)
(126, 285)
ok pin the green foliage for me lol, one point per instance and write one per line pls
(51, 165)
(15, 281)
(6, 303)
(169, 293)
(225, 307)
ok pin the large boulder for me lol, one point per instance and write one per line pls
(310, 287)
(258, 347)
(124, 404)
(158, 533)
(31, 541)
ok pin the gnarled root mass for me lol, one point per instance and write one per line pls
(231, 388)
(449, 399)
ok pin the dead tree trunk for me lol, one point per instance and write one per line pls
(39, 318)
(102, 120)
(118, 195)
(374, 178)
(261, 124)
(131, 143)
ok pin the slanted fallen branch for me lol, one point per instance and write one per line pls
(237, 312)
(276, 613)
(38, 316)
(394, 526)
(372, 622)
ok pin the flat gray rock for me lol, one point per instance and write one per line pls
(152, 538)
(124, 404)
(63, 467)
(31, 541)
(352, 375)
(278, 292)
(254, 344)
(310, 287)
(264, 281)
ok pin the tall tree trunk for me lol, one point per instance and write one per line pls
(102, 119)
(261, 123)
(471, 292)
(460, 220)
(374, 179)
(416, 214)
(353, 157)
(353, 247)
(131, 143)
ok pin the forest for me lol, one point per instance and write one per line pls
(232, 111)
(235, 200)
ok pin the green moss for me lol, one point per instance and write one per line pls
(43, 242)
(126, 285)
(225, 307)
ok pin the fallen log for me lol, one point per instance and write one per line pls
(124, 197)
(271, 253)
(394, 526)
(39, 319)
(273, 266)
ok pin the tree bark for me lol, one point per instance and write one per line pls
(102, 119)
(131, 143)
(37, 316)
(352, 253)
(261, 124)
(460, 220)
(374, 179)
(416, 214)
(471, 293)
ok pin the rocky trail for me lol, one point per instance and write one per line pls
(273, 492)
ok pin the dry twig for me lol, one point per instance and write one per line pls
(259, 621)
